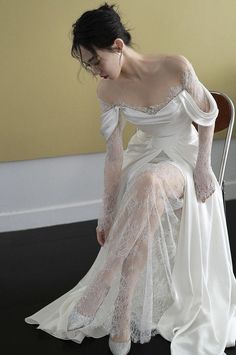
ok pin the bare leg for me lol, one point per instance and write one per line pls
(98, 288)
(137, 257)
(131, 269)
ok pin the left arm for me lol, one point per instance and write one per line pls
(202, 173)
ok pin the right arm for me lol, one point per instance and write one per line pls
(112, 176)
(202, 173)
(111, 128)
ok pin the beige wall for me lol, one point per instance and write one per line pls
(45, 111)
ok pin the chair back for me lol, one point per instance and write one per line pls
(226, 114)
(225, 119)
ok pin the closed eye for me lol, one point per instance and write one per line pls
(89, 65)
(97, 62)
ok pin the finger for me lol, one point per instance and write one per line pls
(202, 198)
(103, 239)
(98, 239)
(205, 197)
(198, 194)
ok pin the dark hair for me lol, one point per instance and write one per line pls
(98, 28)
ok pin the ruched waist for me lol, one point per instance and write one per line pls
(159, 140)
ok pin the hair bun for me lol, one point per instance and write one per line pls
(98, 28)
(106, 7)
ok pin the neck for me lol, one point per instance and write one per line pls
(132, 64)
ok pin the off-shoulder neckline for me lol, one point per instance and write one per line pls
(139, 108)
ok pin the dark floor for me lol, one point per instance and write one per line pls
(39, 265)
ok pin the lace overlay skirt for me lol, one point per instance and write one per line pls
(129, 286)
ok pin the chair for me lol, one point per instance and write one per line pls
(225, 119)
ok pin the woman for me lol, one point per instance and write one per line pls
(165, 265)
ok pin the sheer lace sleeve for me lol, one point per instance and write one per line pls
(204, 113)
(112, 125)
(203, 174)
(201, 105)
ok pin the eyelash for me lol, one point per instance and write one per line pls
(88, 65)
(97, 62)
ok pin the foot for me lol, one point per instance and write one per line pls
(77, 320)
(84, 312)
(93, 298)
(119, 348)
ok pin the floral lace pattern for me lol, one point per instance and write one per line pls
(202, 174)
(114, 157)
(156, 271)
(138, 258)
(141, 234)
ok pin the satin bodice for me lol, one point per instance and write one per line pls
(167, 130)
(174, 119)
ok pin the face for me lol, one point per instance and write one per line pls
(106, 64)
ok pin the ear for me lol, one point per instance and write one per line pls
(118, 44)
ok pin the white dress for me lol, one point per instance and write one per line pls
(184, 288)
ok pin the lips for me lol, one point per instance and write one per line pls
(104, 76)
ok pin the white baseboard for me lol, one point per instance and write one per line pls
(49, 216)
(65, 214)
(53, 191)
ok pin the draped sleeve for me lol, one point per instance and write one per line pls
(110, 119)
(199, 103)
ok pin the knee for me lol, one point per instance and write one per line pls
(143, 183)
(148, 183)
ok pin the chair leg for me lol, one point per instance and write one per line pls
(223, 194)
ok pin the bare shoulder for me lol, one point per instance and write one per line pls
(105, 89)
(110, 90)
(177, 63)
(171, 63)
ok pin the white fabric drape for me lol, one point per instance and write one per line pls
(185, 288)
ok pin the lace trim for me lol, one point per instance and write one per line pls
(152, 109)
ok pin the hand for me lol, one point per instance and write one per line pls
(203, 181)
(103, 227)
(101, 235)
